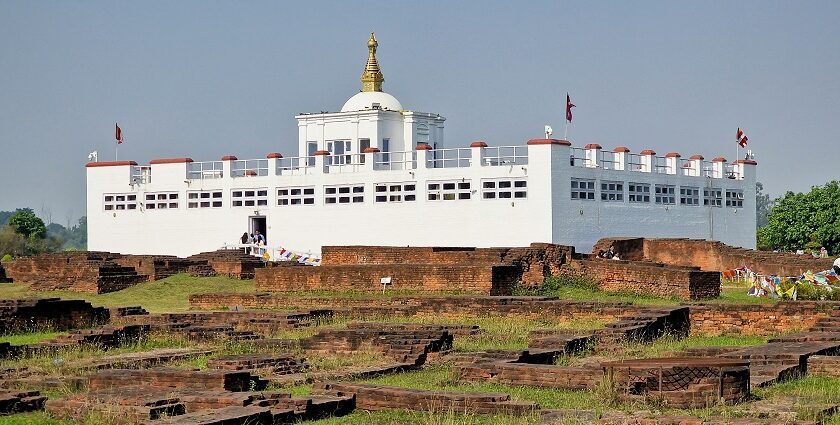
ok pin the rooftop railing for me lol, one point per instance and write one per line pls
(141, 174)
(346, 163)
(249, 168)
(607, 161)
(449, 158)
(295, 165)
(205, 170)
(506, 155)
(395, 160)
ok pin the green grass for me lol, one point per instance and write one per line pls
(35, 418)
(667, 344)
(30, 338)
(165, 295)
(392, 417)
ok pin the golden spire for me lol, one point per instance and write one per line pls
(372, 77)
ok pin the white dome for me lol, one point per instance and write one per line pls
(365, 100)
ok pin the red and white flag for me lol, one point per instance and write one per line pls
(741, 138)
(118, 134)
(569, 106)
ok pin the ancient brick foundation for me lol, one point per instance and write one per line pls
(711, 255)
(230, 262)
(758, 319)
(647, 278)
(379, 397)
(156, 267)
(681, 383)
(94, 272)
(51, 313)
(492, 280)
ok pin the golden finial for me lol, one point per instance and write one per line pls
(372, 77)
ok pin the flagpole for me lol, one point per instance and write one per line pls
(566, 131)
(117, 152)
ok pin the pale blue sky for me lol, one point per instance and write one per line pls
(209, 78)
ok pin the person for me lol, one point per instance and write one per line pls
(259, 239)
(823, 252)
(836, 266)
(246, 240)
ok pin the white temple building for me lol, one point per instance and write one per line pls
(376, 173)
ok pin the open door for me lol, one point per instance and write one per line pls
(259, 224)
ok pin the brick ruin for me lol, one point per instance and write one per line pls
(491, 271)
(102, 272)
(50, 313)
(232, 389)
(711, 255)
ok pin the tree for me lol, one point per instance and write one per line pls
(763, 205)
(799, 220)
(26, 223)
(11, 242)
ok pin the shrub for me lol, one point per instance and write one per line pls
(6, 258)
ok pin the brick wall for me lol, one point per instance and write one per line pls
(484, 279)
(83, 271)
(712, 255)
(536, 262)
(647, 278)
(156, 267)
(758, 319)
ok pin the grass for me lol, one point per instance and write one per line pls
(61, 361)
(391, 417)
(666, 345)
(34, 418)
(165, 295)
(30, 337)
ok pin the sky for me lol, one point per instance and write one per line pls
(203, 79)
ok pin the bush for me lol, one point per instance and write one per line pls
(6, 258)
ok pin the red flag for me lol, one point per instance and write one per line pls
(118, 135)
(569, 107)
(741, 138)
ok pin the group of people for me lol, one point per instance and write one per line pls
(609, 254)
(255, 238)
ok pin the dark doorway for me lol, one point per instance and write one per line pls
(258, 223)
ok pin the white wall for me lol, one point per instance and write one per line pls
(547, 215)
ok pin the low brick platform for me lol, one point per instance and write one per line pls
(711, 255)
(229, 262)
(403, 343)
(534, 375)
(176, 378)
(141, 359)
(482, 279)
(20, 401)
(240, 320)
(681, 382)
(52, 313)
(647, 278)
(104, 337)
(824, 366)
(232, 415)
(81, 271)
(380, 397)
(156, 267)
(278, 364)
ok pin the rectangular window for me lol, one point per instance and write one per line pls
(161, 200)
(296, 196)
(612, 191)
(119, 202)
(449, 190)
(735, 198)
(386, 149)
(204, 199)
(395, 192)
(504, 189)
(712, 197)
(249, 197)
(664, 194)
(689, 195)
(583, 189)
(344, 194)
(638, 192)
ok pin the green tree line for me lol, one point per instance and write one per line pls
(24, 233)
(796, 221)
